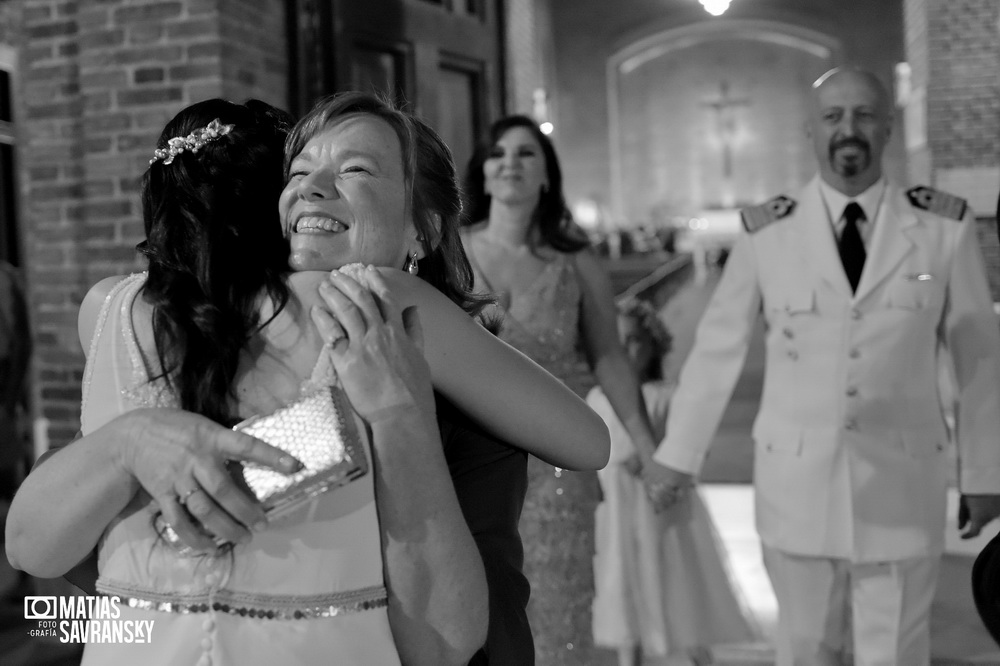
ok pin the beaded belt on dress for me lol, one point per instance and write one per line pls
(244, 604)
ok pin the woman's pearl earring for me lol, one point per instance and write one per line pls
(411, 264)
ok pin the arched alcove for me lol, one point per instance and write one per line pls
(710, 115)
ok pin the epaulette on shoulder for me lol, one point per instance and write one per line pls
(756, 218)
(937, 202)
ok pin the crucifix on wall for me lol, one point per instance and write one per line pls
(725, 106)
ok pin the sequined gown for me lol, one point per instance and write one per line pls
(308, 590)
(557, 523)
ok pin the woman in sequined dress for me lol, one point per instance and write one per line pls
(559, 310)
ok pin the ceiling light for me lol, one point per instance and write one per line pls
(715, 7)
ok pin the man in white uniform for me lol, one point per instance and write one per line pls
(863, 286)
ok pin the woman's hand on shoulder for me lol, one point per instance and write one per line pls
(376, 341)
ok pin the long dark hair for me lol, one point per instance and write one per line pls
(551, 220)
(214, 245)
(432, 185)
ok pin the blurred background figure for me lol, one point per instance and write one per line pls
(558, 308)
(15, 349)
(663, 586)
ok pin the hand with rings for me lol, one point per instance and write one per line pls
(183, 497)
(179, 458)
(664, 486)
(376, 346)
(665, 495)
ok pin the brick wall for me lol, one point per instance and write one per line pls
(10, 22)
(953, 48)
(915, 110)
(963, 95)
(254, 57)
(101, 80)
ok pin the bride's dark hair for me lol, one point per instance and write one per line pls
(214, 246)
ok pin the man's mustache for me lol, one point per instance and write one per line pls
(849, 142)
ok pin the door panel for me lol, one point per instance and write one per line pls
(459, 92)
(9, 244)
(443, 58)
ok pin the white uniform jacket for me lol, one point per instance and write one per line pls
(851, 443)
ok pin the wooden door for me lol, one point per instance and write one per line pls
(9, 241)
(441, 58)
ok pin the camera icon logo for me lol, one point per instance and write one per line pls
(40, 608)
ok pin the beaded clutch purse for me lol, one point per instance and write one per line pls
(318, 430)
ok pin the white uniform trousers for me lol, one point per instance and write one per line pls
(821, 601)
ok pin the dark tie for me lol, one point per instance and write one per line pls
(852, 248)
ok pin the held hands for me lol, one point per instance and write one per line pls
(664, 486)
(633, 464)
(975, 511)
(376, 346)
(179, 458)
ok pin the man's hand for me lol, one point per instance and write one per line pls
(976, 511)
(179, 458)
(633, 464)
(664, 486)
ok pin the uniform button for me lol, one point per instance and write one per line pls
(794, 355)
(211, 578)
(205, 660)
(854, 353)
(850, 424)
(206, 644)
(855, 314)
(789, 333)
(852, 391)
(769, 447)
(208, 625)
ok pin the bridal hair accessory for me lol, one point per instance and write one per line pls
(192, 142)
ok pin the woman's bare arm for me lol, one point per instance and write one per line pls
(503, 390)
(599, 328)
(67, 501)
(438, 600)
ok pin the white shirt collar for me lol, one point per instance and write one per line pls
(869, 200)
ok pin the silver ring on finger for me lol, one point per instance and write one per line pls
(183, 498)
(331, 341)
